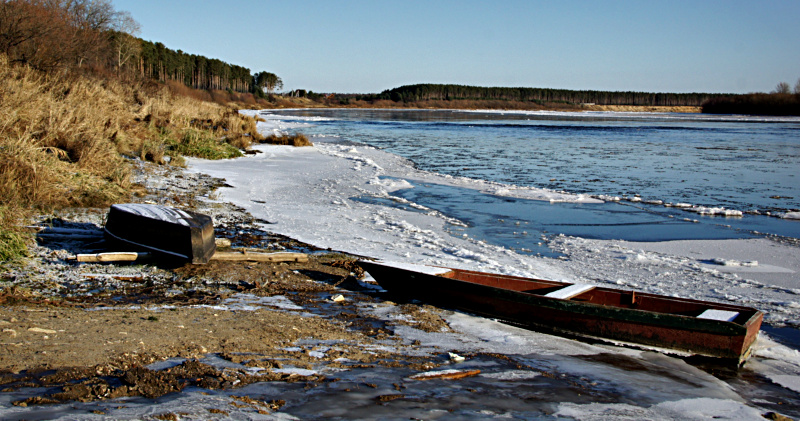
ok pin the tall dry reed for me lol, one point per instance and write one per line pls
(64, 138)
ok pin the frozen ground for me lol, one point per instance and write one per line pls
(307, 193)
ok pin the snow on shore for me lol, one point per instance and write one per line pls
(307, 193)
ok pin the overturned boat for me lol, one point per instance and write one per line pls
(678, 324)
(166, 231)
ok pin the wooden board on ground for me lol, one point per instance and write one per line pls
(112, 257)
(249, 256)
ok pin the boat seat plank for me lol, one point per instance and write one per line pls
(722, 315)
(570, 291)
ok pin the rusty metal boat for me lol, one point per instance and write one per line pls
(684, 326)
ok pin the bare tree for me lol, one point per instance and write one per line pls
(123, 38)
(797, 87)
(782, 88)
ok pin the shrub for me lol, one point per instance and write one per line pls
(12, 239)
(202, 144)
(296, 139)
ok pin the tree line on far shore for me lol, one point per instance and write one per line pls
(438, 92)
(780, 102)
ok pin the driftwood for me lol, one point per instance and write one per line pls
(249, 256)
(445, 374)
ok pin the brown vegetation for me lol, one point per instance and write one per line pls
(59, 34)
(296, 139)
(777, 103)
(63, 137)
(72, 109)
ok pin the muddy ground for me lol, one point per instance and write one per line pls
(85, 331)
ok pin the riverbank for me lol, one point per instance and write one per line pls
(260, 339)
(87, 332)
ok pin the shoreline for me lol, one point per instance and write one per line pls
(54, 313)
(493, 105)
(232, 318)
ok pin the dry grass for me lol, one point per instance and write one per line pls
(13, 241)
(55, 147)
(64, 138)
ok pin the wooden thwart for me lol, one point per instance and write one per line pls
(722, 315)
(570, 291)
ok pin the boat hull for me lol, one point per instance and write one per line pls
(622, 315)
(170, 232)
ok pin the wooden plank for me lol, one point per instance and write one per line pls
(722, 315)
(259, 257)
(111, 257)
(570, 291)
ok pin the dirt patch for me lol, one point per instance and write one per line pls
(423, 317)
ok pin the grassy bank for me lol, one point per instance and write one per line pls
(65, 139)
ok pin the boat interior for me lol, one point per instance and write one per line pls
(608, 297)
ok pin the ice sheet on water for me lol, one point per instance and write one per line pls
(617, 115)
(702, 210)
(791, 215)
(539, 194)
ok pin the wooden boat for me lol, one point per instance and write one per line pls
(167, 231)
(688, 326)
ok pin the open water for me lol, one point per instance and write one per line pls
(750, 164)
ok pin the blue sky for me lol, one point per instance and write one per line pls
(368, 46)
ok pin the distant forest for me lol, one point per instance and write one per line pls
(781, 102)
(155, 61)
(89, 35)
(161, 63)
(425, 92)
